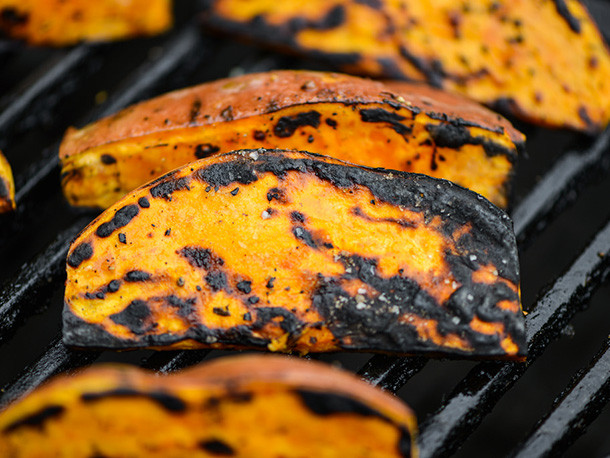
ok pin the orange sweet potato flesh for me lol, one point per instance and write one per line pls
(245, 406)
(396, 125)
(67, 22)
(543, 61)
(288, 251)
(7, 186)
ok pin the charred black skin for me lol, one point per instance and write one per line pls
(168, 401)
(367, 331)
(217, 447)
(37, 419)
(328, 403)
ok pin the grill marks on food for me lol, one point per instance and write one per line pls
(121, 218)
(316, 286)
(203, 409)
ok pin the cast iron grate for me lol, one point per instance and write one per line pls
(43, 91)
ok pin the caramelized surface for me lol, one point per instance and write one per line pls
(395, 125)
(287, 251)
(66, 22)
(542, 60)
(247, 406)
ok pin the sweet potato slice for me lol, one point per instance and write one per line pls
(66, 22)
(287, 251)
(246, 406)
(399, 126)
(7, 186)
(543, 61)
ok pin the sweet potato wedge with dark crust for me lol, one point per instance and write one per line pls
(245, 406)
(67, 22)
(7, 186)
(543, 61)
(397, 125)
(288, 251)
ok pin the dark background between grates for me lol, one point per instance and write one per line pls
(562, 196)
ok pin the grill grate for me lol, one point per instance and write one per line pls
(31, 123)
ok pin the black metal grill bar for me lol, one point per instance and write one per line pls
(57, 358)
(170, 361)
(391, 372)
(560, 187)
(572, 413)
(34, 278)
(49, 84)
(484, 385)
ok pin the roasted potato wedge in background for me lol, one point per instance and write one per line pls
(7, 186)
(396, 125)
(67, 22)
(246, 406)
(543, 61)
(288, 251)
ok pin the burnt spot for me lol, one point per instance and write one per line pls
(253, 300)
(357, 211)
(235, 191)
(143, 202)
(11, 17)
(165, 400)
(405, 442)
(259, 135)
(221, 311)
(247, 316)
(135, 317)
(123, 238)
(185, 307)
(113, 286)
(216, 280)
(4, 194)
(286, 125)
(276, 194)
(584, 115)
(216, 447)
(270, 282)
(81, 253)
(331, 122)
(375, 4)
(305, 236)
(200, 257)
(287, 321)
(325, 404)
(384, 116)
(107, 159)
(134, 276)
(227, 113)
(36, 419)
(226, 174)
(564, 12)
(205, 150)
(195, 110)
(120, 219)
(450, 135)
(245, 286)
(167, 188)
(297, 217)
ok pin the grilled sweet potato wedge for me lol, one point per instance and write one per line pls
(543, 61)
(245, 406)
(288, 251)
(67, 22)
(399, 126)
(7, 186)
